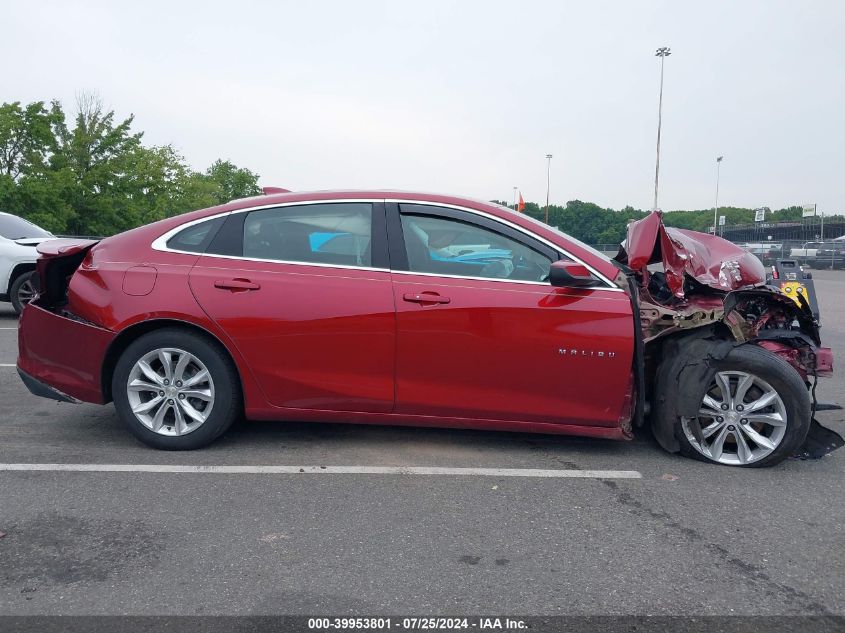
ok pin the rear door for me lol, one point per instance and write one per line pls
(482, 334)
(304, 292)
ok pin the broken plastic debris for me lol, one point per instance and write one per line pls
(272, 537)
(821, 441)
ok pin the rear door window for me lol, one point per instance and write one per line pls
(337, 233)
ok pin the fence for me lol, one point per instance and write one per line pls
(807, 230)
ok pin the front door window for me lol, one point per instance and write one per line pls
(447, 246)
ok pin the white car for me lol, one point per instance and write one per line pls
(805, 252)
(18, 239)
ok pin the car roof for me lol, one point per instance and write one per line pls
(363, 194)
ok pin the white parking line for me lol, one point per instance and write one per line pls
(326, 470)
(8, 328)
(8, 365)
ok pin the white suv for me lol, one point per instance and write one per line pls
(18, 239)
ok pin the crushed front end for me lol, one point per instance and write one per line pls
(696, 286)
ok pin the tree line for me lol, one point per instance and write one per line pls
(91, 174)
(593, 224)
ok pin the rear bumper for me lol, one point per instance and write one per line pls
(60, 356)
(38, 388)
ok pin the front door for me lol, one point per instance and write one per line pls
(482, 334)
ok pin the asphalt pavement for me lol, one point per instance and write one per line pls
(683, 538)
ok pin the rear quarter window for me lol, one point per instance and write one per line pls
(197, 237)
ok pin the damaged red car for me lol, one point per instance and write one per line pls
(403, 308)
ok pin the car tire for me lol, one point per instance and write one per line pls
(162, 407)
(768, 372)
(21, 291)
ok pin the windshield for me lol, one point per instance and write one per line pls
(14, 228)
(586, 247)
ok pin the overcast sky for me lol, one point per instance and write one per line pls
(465, 97)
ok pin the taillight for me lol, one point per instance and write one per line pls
(775, 274)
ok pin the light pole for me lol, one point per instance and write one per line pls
(663, 52)
(548, 183)
(514, 198)
(716, 207)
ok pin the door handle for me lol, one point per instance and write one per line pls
(425, 297)
(236, 285)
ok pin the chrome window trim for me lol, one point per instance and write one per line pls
(160, 243)
(289, 263)
(507, 281)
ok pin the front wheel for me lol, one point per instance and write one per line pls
(754, 412)
(176, 390)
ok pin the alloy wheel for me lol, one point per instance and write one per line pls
(170, 391)
(741, 420)
(26, 292)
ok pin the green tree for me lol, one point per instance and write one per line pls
(101, 155)
(235, 182)
(28, 184)
(93, 176)
(26, 137)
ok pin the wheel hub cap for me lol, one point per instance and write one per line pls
(170, 391)
(742, 419)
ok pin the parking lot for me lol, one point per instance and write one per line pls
(674, 537)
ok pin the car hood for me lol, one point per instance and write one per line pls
(710, 260)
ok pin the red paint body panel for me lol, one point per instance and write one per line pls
(824, 361)
(139, 281)
(96, 295)
(824, 357)
(451, 422)
(63, 353)
(709, 259)
(315, 337)
(503, 351)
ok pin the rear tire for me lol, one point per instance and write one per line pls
(762, 419)
(22, 291)
(176, 390)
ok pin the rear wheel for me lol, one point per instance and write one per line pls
(754, 412)
(176, 390)
(22, 291)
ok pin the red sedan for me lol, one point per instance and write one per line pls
(404, 308)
